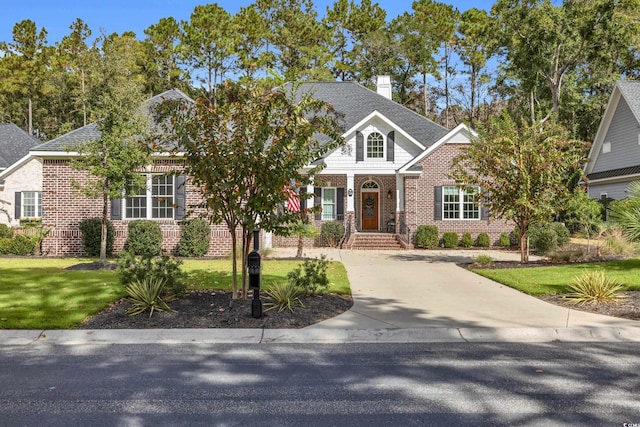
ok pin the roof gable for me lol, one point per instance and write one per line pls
(355, 104)
(91, 132)
(624, 93)
(14, 144)
(461, 134)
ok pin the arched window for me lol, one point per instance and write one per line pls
(369, 185)
(375, 146)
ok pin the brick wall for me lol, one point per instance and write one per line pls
(65, 208)
(419, 198)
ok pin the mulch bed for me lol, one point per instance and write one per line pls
(211, 309)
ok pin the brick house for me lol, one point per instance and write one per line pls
(388, 178)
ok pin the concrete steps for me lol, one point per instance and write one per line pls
(364, 241)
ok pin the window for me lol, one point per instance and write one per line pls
(156, 201)
(460, 203)
(375, 146)
(606, 147)
(328, 204)
(31, 204)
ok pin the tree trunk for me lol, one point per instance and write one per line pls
(524, 247)
(300, 246)
(103, 233)
(234, 264)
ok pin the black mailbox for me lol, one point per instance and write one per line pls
(253, 262)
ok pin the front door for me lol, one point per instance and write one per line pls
(369, 211)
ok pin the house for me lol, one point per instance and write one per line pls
(20, 176)
(614, 159)
(389, 177)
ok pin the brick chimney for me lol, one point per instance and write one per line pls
(384, 86)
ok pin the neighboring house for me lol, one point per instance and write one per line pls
(614, 159)
(389, 177)
(20, 176)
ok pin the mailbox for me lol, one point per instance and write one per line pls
(253, 263)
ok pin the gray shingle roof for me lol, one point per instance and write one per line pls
(632, 170)
(91, 132)
(630, 90)
(14, 144)
(355, 102)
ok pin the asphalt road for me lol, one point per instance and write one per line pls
(459, 384)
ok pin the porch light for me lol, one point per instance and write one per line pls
(389, 194)
(350, 192)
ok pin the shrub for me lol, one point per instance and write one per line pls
(543, 237)
(148, 294)
(562, 233)
(592, 287)
(5, 245)
(311, 276)
(21, 244)
(283, 295)
(484, 241)
(504, 240)
(614, 242)
(133, 268)
(466, 241)
(332, 232)
(450, 239)
(5, 231)
(427, 237)
(145, 237)
(568, 255)
(483, 259)
(91, 229)
(195, 238)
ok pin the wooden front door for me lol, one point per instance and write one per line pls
(369, 211)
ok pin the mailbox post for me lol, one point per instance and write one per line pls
(255, 276)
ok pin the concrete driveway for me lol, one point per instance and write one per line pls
(426, 289)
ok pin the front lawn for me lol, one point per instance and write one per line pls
(39, 293)
(554, 279)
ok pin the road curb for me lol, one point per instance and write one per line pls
(316, 336)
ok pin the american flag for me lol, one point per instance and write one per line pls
(293, 203)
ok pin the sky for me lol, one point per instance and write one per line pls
(135, 15)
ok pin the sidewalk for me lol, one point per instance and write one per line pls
(399, 297)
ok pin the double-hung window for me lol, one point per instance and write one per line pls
(460, 202)
(31, 205)
(329, 204)
(154, 201)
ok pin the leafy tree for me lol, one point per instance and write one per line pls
(162, 57)
(206, 46)
(475, 48)
(522, 168)
(583, 212)
(113, 160)
(242, 153)
(24, 68)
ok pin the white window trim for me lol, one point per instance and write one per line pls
(149, 200)
(37, 204)
(461, 193)
(384, 148)
(606, 147)
(335, 203)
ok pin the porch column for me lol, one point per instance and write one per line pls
(399, 193)
(351, 193)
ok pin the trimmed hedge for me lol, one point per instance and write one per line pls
(427, 237)
(504, 240)
(450, 239)
(483, 240)
(332, 232)
(91, 229)
(466, 241)
(195, 238)
(145, 237)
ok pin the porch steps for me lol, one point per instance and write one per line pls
(364, 241)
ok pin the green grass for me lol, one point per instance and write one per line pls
(38, 293)
(556, 279)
